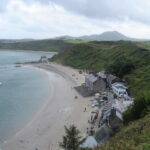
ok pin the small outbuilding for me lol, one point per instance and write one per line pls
(90, 142)
(119, 89)
(43, 59)
(94, 83)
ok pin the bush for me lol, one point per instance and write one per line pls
(120, 67)
(139, 109)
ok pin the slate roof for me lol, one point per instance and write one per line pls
(91, 78)
(90, 142)
(119, 85)
(103, 134)
(102, 74)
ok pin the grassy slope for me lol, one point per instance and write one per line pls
(76, 41)
(97, 55)
(135, 136)
(144, 44)
(38, 45)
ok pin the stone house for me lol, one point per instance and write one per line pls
(43, 59)
(100, 81)
(95, 83)
(111, 115)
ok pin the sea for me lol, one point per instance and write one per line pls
(23, 90)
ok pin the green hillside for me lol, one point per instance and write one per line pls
(97, 56)
(38, 45)
(135, 136)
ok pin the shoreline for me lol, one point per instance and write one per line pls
(32, 51)
(47, 127)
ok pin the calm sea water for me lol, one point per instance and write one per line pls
(22, 91)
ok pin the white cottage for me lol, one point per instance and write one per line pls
(119, 89)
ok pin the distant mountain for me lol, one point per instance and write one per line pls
(65, 37)
(106, 36)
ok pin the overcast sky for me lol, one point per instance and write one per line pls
(50, 18)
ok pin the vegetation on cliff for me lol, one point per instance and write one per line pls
(129, 60)
(135, 136)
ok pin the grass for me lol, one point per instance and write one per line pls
(97, 56)
(144, 44)
(76, 41)
(135, 136)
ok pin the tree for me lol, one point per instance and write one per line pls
(71, 140)
(121, 66)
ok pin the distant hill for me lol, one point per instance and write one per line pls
(105, 36)
(15, 40)
(37, 45)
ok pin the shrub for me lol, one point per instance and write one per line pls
(71, 140)
(120, 67)
(139, 109)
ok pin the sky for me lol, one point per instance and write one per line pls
(41, 19)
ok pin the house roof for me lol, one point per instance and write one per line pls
(111, 77)
(103, 134)
(90, 142)
(119, 85)
(102, 74)
(91, 78)
(107, 110)
(119, 115)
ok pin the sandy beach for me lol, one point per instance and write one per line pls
(47, 127)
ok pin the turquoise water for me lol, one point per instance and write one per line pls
(22, 91)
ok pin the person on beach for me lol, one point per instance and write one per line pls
(87, 131)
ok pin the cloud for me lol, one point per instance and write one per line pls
(3, 4)
(49, 18)
(43, 21)
(119, 10)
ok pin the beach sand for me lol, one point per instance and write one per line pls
(47, 127)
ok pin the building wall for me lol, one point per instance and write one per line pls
(88, 84)
(99, 85)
